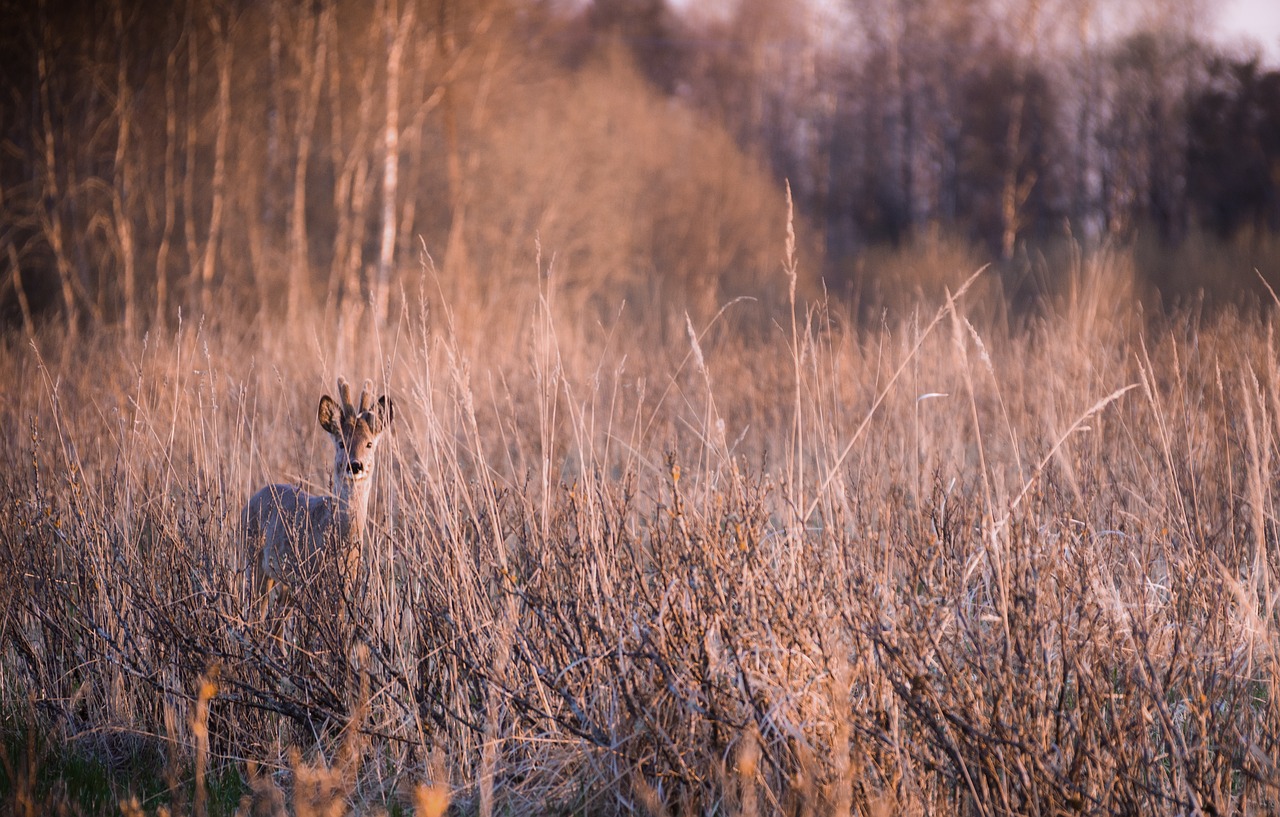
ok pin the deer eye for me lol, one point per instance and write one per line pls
(369, 444)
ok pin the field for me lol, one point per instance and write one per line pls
(951, 559)
(726, 477)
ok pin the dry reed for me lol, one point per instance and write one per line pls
(947, 566)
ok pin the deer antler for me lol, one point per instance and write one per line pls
(344, 394)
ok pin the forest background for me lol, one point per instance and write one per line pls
(307, 153)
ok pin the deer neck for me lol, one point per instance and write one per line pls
(351, 508)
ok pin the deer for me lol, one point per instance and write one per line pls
(293, 537)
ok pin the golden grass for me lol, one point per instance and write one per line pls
(943, 564)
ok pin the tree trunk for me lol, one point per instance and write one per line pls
(455, 259)
(189, 164)
(395, 33)
(1009, 187)
(311, 71)
(121, 191)
(52, 217)
(170, 195)
(222, 36)
(351, 192)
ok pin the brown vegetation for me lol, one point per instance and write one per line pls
(663, 526)
(942, 566)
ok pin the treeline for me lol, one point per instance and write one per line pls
(281, 156)
(269, 159)
(1001, 120)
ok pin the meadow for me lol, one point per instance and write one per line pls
(725, 478)
(780, 558)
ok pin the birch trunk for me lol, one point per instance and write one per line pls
(222, 36)
(121, 191)
(396, 29)
(311, 71)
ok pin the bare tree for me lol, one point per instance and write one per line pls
(1016, 184)
(312, 56)
(456, 262)
(396, 30)
(351, 155)
(50, 215)
(168, 193)
(221, 22)
(122, 189)
(190, 141)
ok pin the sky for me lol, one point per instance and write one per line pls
(1235, 21)
(1255, 19)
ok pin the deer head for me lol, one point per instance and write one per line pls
(356, 429)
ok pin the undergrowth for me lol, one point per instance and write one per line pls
(957, 562)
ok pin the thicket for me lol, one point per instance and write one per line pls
(948, 565)
(278, 156)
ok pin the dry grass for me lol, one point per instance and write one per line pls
(933, 566)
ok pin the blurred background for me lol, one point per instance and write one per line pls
(274, 159)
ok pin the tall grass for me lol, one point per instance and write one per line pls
(783, 561)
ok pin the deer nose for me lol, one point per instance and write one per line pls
(356, 466)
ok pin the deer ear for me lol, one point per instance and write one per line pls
(385, 411)
(330, 416)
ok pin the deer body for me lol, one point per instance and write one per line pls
(294, 537)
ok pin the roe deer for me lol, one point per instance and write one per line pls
(293, 537)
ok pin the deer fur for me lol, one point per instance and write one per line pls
(293, 537)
